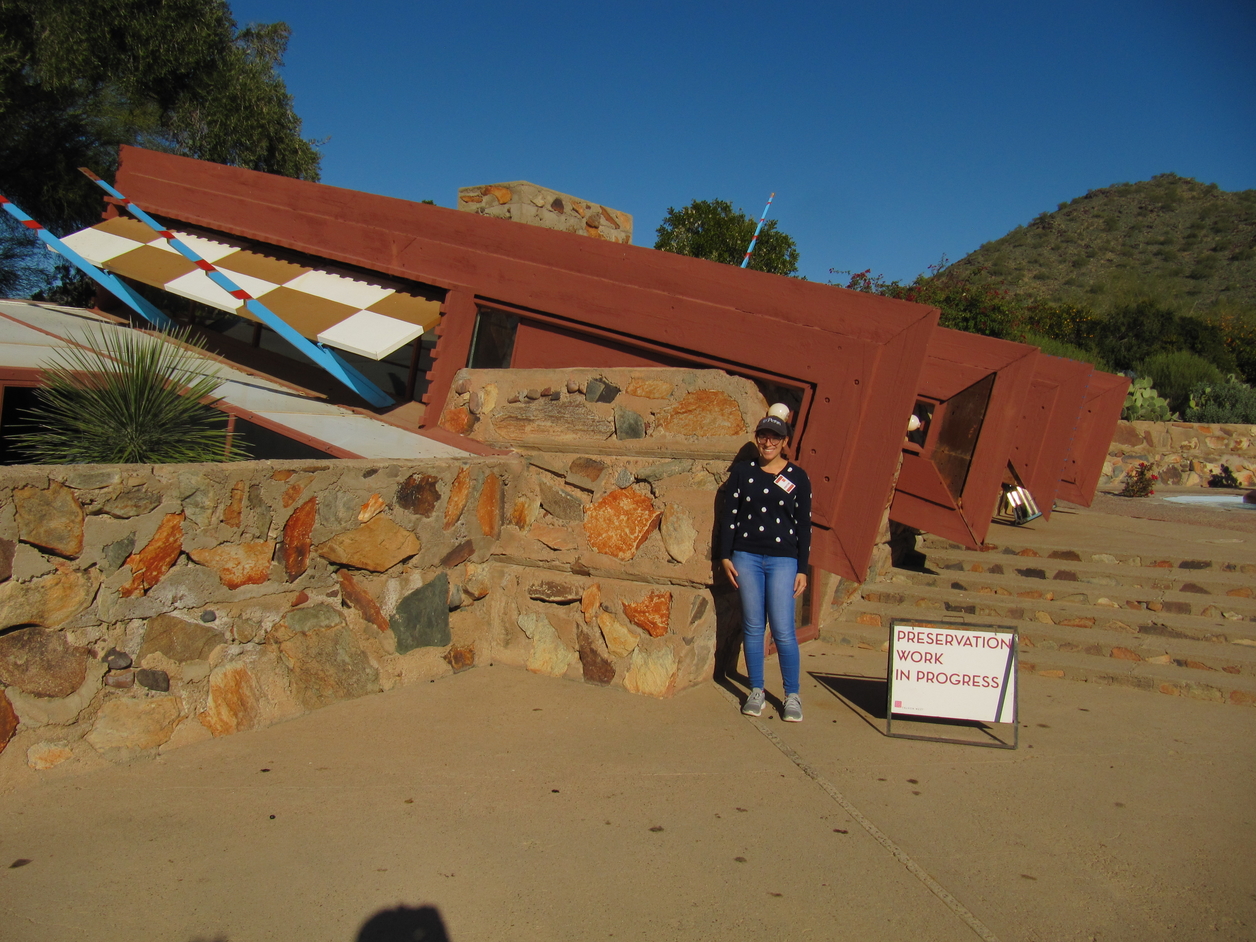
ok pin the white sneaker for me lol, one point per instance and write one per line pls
(793, 708)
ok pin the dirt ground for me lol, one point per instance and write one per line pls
(500, 805)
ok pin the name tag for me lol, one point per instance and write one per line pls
(784, 484)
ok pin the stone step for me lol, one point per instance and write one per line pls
(1175, 678)
(1084, 635)
(933, 544)
(910, 600)
(1209, 601)
(1100, 570)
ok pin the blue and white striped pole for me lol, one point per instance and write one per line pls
(107, 280)
(319, 354)
(746, 261)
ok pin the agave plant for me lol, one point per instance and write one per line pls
(124, 397)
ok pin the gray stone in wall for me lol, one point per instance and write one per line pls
(113, 555)
(7, 548)
(91, 479)
(327, 666)
(422, 617)
(665, 469)
(29, 563)
(132, 502)
(314, 618)
(562, 505)
(628, 424)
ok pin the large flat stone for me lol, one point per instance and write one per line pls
(422, 617)
(178, 639)
(702, 413)
(377, 546)
(129, 726)
(50, 518)
(248, 694)
(678, 533)
(620, 523)
(565, 420)
(40, 661)
(549, 654)
(328, 666)
(238, 564)
(50, 600)
(150, 564)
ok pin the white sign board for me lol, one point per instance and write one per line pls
(953, 672)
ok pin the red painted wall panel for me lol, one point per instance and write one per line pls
(859, 355)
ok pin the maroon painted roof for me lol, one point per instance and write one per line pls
(857, 357)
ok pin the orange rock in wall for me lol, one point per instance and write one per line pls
(459, 491)
(238, 564)
(296, 539)
(620, 523)
(488, 510)
(652, 614)
(154, 560)
(703, 412)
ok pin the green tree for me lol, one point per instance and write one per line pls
(78, 78)
(713, 230)
(124, 397)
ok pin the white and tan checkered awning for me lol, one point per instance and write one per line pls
(339, 308)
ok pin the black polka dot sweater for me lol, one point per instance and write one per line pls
(768, 514)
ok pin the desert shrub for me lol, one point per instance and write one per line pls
(1229, 401)
(1175, 374)
(1061, 348)
(124, 397)
(1140, 482)
(1144, 404)
(1223, 478)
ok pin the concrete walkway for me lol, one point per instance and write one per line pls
(525, 808)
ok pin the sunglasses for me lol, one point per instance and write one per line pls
(768, 437)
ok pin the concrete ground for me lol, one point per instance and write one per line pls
(500, 805)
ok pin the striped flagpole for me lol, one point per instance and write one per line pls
(107, 280)
(746, 261)
(318, 353)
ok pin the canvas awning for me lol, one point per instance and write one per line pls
(370, 317)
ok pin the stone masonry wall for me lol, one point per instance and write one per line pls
(539, 206)
(144, 608)
(1182, 453)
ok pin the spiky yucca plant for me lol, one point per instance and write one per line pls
(125, 397)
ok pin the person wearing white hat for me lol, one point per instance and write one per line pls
(764, 545)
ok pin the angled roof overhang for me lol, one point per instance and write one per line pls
(855, 357)
(371, 317)
(1048, 424)
(975, 387)
(1101, 410)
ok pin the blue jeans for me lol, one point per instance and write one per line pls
(766, 587)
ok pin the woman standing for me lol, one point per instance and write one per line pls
(765, 539)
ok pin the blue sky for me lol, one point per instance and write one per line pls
(892, 133)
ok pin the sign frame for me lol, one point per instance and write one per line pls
(1010, 669)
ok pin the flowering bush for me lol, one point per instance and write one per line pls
(1140, 482)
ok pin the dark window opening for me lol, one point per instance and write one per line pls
(957, 434)
(924, 412)
(494, 341)
(14, 401)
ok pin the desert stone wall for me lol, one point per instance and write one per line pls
(1181, 453)
(144, 608)
(539, 206)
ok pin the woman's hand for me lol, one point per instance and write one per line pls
(800, 583)
(731, 571)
